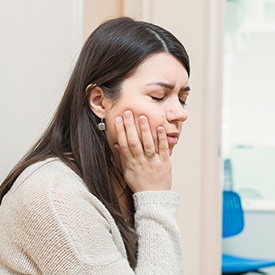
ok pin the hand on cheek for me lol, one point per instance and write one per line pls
(145, 167)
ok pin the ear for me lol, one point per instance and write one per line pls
(96, 100)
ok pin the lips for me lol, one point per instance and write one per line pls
(172, 139)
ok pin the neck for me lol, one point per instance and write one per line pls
(123, 193)
(124, 196)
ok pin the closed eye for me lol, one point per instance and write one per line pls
(159, 99)
(182, 102)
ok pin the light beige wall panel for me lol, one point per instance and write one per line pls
(187, 159)
(97, 11)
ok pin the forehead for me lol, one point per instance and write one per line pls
(161, 65)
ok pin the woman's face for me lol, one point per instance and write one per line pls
(158, 90)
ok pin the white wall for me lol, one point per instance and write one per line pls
(38, 43)
(249, 113)
(249, 73)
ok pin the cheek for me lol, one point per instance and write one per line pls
(154, 115)
(155, 120)
(111, 133)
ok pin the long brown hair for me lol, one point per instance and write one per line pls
(110, 55)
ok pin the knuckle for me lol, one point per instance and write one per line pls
(123, 146)
(147, 147)
(164, 148)
(133, 143)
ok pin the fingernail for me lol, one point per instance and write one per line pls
(142, 120)
(160, 130)
(118, 120)
(127, 114)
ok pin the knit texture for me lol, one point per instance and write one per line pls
(51, 224)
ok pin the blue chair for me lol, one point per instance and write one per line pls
(233, 224)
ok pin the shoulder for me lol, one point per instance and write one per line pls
(51, 192)
(51, 184)
(47, 175)
(46, 171)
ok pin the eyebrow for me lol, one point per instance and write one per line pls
(169, 86)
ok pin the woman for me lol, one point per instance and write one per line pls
(93, 195)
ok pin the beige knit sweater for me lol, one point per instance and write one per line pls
(51, 224)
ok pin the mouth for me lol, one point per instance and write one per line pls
(173, 138)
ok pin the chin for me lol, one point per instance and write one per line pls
(171, 151)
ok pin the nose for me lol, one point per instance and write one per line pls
(176, 112)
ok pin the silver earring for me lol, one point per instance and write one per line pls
(101, 125)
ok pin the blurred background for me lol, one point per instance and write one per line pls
(248, 123)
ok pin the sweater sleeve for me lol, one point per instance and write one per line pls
(159, 242)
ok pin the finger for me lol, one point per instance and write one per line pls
(133, 140)
(163, 143)
(121, 137)
(146, 136)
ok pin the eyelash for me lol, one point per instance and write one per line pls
(183, 103)
(159, 99)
